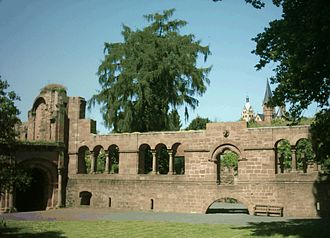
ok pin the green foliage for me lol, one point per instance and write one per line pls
(163, 158)
(179, 166)
(320, 130)
(230, 160)
(88, 161)
(147, 161)
(305, 154)
(174, 121)
(153, 70)
(100, 162)
(11, 174)
(114, 159)
(198, 123)
(299, 45)
(284, 153)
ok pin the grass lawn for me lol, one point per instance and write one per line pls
(55, 229)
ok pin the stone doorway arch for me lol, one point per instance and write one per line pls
(33, 198)
(40, 194)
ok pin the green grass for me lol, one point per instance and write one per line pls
(81, 229)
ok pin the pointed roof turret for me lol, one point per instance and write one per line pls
(268, 93)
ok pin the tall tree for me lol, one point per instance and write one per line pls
(11, 175)
(149, 74)
(299, 45)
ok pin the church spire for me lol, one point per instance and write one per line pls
(268, 110)
(268, 94)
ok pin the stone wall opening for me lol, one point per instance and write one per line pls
(85, 198)
(151, 204)
(227, 205)
(145, 159)
(84, 160)
(34, 198)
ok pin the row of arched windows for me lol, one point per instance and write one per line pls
(291, 158)
(160, 160)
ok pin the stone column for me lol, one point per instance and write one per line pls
(92, 163)
(170, 164)
(154, 162)
(76, 163)
(107, 163)
(59, 188)
(294, 160)
(278, 162)
(10, 202)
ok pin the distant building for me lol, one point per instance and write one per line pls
(268, 112)
(247, 113)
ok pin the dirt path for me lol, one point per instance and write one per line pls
(109, 214)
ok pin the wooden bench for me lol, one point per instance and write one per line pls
(268, 210)
(275, 210)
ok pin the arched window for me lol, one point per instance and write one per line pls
(162, 158)
(227, 166)
(99, 159)
(226, 158)
(283, 156)
(41, 122)
(84, 160)
(145, 159)
(179, 159)
(113, 152)
(305, 154)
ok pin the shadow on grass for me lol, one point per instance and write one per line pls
(299, 227)
(17, 232)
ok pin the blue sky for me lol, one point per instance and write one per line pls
(47, 41)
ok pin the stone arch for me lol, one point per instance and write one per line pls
(227, 205)
(225, 195)
(224, 174)
(304, 154)
(113, 157)
(145, 159)
(84, 160)
(37, 102)
(41, 120)
(162, 159)
(41, 194)
(98, 159)
(178, 163)
(283, 155)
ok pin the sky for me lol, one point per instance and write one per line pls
(62, 41)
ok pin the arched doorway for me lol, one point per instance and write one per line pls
(227, 205)
(34, 198)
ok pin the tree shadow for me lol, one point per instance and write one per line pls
(11, 232)
(303, 228)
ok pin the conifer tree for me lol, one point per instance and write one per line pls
(148, 75)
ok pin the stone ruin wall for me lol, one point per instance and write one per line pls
(258, 180)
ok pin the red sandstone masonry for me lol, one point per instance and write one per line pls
(194, 191)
